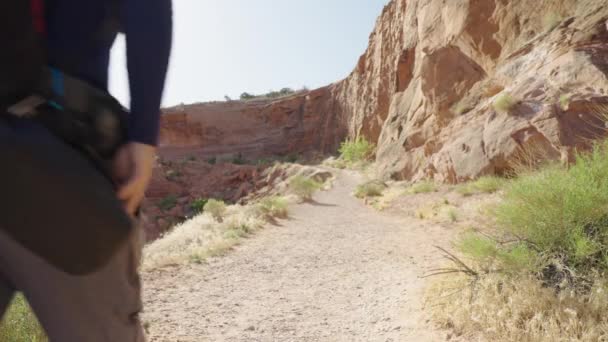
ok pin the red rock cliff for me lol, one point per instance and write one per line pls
(424, 91)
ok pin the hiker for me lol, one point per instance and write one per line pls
(89, 305)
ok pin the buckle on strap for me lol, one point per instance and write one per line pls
(26, 107)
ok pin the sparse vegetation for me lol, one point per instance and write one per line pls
(212, 161)
(564, 102)
(452, 214)
(304, 187)
(216, 208)
(504, 103)
(357, 150)
(271, 94)
(20, 324)
(374, 188)
(486, 184)
(273, 207)
(173, 175)
(551, 20)
(422, 187)
(198, 205)
(239, 160)
(202, 237)
(167, 203)
(461, 108)
(541, 275)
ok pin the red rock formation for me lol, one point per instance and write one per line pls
(424, 92)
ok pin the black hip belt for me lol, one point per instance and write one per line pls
(76, 112)
(58, 202)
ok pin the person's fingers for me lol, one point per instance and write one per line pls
(127, 190)
(134, 202)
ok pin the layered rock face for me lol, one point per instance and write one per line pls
(299, 123)
(425, 89)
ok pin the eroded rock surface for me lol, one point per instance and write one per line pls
(424, 92)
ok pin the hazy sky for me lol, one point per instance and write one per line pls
(226, 47)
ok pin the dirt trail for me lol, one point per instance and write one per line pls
(335, 271)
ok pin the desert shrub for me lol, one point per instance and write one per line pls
(236, 230)
(541, 275)
(564, 102)
(198, 205)
(504, 103)
(551, 20)
(167, 203)
(560, 218)
(422, 187)
(373, 188)
(216, 208)
(292, 158)
(485, 184)
(304, 187)
(212, 161)
(239, 160)
(356, 150)
(271, 207)
(452, 214)
(20, 324)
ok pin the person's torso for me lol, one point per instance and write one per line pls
(80, 34)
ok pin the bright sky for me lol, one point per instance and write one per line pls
(226, 47)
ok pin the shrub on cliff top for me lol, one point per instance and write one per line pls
(504, 103)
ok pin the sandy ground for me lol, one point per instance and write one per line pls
(335, 271)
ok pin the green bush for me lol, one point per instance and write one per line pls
(167, 203)
(304, 187)
(559, 218)
(198, 205)
(370, 189)
(504, 103)
(271, 207)
(564, 102)
(423, 188)
(356, 150)
(20, 324)
(216, 208)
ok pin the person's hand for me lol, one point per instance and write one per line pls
(132, 168)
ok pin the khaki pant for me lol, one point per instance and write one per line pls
(102, 306)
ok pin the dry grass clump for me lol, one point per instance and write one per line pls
(19, 324)
(201, 237)
(504, 103)
(304, 187)
(374, 188)
(501, 308)
(423, 187)
(485, 184)
(273, 207)
(216, 208)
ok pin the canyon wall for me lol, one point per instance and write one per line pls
(425, 89)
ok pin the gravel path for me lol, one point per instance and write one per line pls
(335, 271)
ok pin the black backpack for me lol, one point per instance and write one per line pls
(57, 200)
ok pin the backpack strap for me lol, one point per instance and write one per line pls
(37, 7)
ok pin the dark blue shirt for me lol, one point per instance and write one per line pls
(80, 34)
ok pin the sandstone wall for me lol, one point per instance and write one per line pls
(424, 89)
